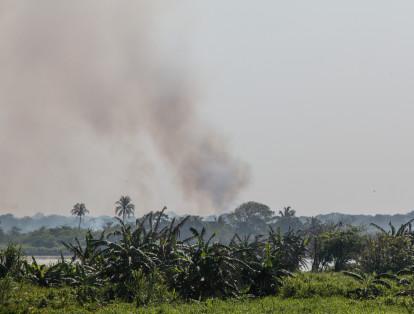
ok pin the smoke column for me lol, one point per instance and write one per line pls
(82, 81)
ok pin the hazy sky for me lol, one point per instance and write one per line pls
(316, 96)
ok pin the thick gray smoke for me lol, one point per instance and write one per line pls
(82, 84)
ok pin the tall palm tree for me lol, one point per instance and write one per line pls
(287, 212)
(124, 207)
(79, 209)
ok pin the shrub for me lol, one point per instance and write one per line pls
(43, 275)
(384, 253)
(267, 276)
(340, 246)
(370, 285)
(287, 249)
(11, 261)
(87, 294)
(149, 289)
(308, 285)
(6, 289)
(208, 270)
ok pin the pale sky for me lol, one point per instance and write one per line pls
(316, 96)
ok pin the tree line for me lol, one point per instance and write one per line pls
(158, 257)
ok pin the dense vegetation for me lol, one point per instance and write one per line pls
(250, 219)
(42, 242)
(158, 260)
(37, 221)
(320, 293)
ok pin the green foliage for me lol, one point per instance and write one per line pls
(151, 262)
(371, 285)
(384, 253)
(208, 270)
(11, 261)
(288, 250)
(86, 294)
(267, 278)
(87, 254)
(403, 230)
(46, 242)
(6, 289)
(309, 285)
(150, 289)
(197, 268)
(33, 299)
(340, 246)
(406, 281)
(28, 298)
(273, 260)
(43, 275)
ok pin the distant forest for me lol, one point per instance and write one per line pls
(43, 235)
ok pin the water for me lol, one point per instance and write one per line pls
(47, 260)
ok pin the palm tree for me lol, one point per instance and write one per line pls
(124, 207)
(287, 212)
(79, 209)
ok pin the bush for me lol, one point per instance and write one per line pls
(288, 249)
(384, 253)
(88, 294)
(340, 247)
(308, 285)
(6, 289)
(11, 261)
(150, 289)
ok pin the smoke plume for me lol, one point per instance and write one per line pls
(83, 83)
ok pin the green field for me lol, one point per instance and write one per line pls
(305, 293)
(266, 305)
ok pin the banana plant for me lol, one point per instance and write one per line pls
(406, 280)
(42, 275)
(210, 270)
(404, 230)
(87, 254)
(268, 276)
(371, 285)
(11, 261)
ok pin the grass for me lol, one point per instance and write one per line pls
(308, 285)
(269, 305)
(305, 293)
